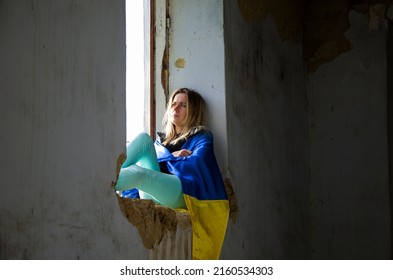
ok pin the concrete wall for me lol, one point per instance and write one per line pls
(308, 153)
(349, 188)
(62, 119)
(267, 139)
(196, 60)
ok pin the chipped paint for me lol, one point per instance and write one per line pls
(325, 23)
(288, 20)
(180, 63)
(120, 159)
(152, 221)
(253, 11)
(233, 208)
(165, 73)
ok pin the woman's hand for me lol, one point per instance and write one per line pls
(182, 153)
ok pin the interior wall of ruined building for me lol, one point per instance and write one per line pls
(306, 124)
(349, 150)
(306, 89)
(62, 119)
(268, 131)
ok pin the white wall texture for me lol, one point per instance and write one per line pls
(62, 119)
(196, 60)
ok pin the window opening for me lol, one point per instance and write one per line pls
(135, 70)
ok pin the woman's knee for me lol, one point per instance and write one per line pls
(139, 139)
(143, 137)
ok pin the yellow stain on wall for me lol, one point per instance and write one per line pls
(180, 63)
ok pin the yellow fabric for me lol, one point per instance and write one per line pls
(209, 220)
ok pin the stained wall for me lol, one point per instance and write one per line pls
(302, 136)
(62, 119)
(268, 135)
(307, 129)
(349, 188)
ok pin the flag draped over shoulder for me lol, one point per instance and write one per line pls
(204, 193)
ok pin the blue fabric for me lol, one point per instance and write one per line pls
(199, 173)
(134, 193)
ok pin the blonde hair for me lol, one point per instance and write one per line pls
(195, 117)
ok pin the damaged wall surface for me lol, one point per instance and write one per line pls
(268, 131)
(306, 114)
(62, 116)
(299, 93)
(349, 188)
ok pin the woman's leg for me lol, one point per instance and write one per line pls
(141, 151)
(164, 188)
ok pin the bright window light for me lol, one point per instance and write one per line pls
(135, 67)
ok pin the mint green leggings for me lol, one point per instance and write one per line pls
(142, 171)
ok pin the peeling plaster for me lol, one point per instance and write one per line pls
(232, 198)
(322, 22)
(325, 24)
(286, 14)
(120, 159)
(164, 73)
(152, 220)
(180, 63)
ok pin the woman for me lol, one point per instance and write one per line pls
(180, 171)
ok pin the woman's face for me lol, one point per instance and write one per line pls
(178, 111)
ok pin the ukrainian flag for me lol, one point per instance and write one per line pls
(204, 193)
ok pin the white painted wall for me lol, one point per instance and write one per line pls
(196, 36)
(62, 119)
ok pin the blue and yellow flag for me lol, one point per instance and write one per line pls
(204, 193)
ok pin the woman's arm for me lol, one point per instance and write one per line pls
(182, 153)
